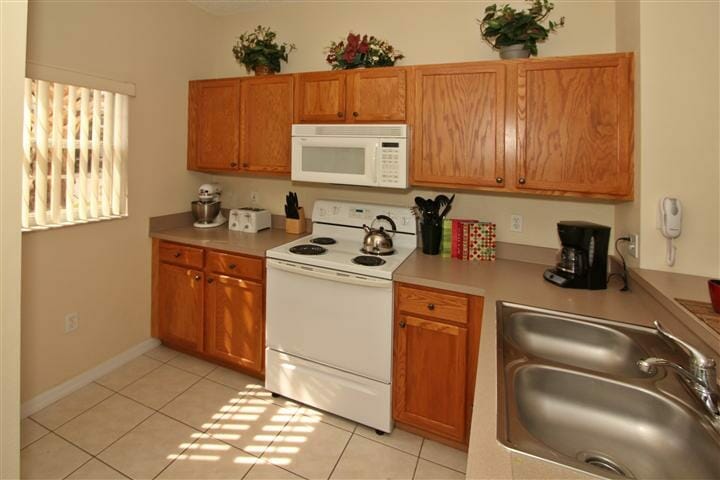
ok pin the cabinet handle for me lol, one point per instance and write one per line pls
(356, 114)
(210, 280)
(197, 277)
(499, 180)
(521, 180)
(232, 266)
(177, 254)
(340, 114)
(245, 165)
(233, 164)
(431, 306)
(402, 324)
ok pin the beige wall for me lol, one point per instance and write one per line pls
(12, 58)
(426, 32)
(102, 271)
(678, 134)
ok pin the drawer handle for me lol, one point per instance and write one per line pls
(177, 254)
(339, 114)
(521, 180)
(197, 277)
(210, 280)
(402, 323)
(232, 266)
(233, 164)
(356, 114)
(431, 306)
(499, 180)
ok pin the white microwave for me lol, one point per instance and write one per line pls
(366, 155)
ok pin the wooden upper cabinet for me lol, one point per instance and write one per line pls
(213, 120)
(459, 125)
(574, 125)
(321, 97)
(266, 124)
(180, 306)
(234, 321)
(377, 95)
(429, 385)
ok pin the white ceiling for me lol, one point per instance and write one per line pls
(229, 7)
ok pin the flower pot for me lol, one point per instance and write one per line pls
(263, 70)
(509, 52)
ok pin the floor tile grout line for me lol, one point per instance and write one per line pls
(110, 466)
(141, 376)
(417, 460)
(80, 466)
(391, 446)
(444, 466)
(166, 403)
(76, 416)
(337, 462)
(48, 432)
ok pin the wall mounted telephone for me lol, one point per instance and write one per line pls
(670, 224)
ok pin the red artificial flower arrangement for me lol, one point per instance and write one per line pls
(361, 51)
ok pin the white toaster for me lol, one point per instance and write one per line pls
(248, 219)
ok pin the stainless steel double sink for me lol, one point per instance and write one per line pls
(570, 392)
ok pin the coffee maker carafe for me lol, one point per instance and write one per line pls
(583, 258)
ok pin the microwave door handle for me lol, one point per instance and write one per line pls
(375, 163)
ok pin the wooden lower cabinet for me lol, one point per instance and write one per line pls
(434, 362)
(233, 321)
(179, 303)
(203, 312)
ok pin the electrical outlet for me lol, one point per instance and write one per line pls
(516, 223)
(72, 322)
(634, 245)
(254, 197)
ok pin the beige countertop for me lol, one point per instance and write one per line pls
(522, 282)
(222, 238)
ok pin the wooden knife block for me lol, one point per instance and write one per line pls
(296, 225)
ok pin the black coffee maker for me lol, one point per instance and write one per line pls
(583, 259)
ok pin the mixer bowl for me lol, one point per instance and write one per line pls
(205, 212)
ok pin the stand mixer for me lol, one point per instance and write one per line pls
(206, 209)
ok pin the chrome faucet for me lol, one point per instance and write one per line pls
(701, 377)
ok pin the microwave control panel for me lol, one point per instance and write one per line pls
(392, 171)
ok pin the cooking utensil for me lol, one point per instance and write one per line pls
(448, 206)
(378, 241)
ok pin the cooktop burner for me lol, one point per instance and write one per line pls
(383, 254)
(368, 261)
(308, 249)
(323, 240)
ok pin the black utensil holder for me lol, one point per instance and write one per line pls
(431, 232)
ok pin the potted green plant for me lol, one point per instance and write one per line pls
(516, 33)
(259, 51)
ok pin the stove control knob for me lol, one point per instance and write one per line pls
(323, 212)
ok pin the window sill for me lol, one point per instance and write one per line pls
(42, 228)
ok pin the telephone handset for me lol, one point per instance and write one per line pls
(670, 224)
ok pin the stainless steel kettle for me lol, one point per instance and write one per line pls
(378, 241)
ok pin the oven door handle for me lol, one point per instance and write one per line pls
(331, 275)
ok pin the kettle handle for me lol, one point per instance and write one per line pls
(389, 220)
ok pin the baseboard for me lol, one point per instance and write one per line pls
(41, 401)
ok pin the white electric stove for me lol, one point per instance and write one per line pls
(329, 313)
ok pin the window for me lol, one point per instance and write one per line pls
(75, 155)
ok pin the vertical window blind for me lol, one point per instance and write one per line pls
(75, 144)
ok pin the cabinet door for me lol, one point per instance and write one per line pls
(321, 97)
(180, 306)
(234, 321)
(459, 126)
(267, 116)
(429, 381)
(377, 95)
(574, 125)
(214, 124)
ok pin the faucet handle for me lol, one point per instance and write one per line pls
(697, 358)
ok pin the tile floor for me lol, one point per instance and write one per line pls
(168, 415)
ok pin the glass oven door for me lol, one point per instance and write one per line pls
(342, 160)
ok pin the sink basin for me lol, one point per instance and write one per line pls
(615, 428)
(575, 342)
(570, 392)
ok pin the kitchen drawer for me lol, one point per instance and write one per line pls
(433, 303)
(181, 254)
(235, 265)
